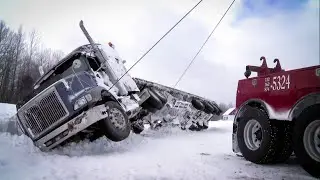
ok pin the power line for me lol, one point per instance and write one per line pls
(156, 43)
(205, 42)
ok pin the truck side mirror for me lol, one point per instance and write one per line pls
(76, 64)
(247, 73)
(41, 70)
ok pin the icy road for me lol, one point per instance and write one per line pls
(162, 155)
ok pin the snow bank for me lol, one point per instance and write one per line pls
(165, 154)
(151, 155)
(7, 111)
(7, 118)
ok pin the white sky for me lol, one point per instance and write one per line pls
(133, 26)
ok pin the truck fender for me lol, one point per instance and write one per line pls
(107, 96)
(252, 103)
(303, 103)
(239, 111)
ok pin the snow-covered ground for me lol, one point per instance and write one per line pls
(163, 155)
(6, 111)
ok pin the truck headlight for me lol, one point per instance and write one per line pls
(82, 101)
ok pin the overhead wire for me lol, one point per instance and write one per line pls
(156, 43)
(205, 42)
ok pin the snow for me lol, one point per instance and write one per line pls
(7, 117)
(228, 111)
(280, 115)
(164, 154)
(118, 68)
(6, 111)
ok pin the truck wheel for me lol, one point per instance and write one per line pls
(205, 125)
(284, 141)
(256, 136)
(116, 125)
(194, 127)
(209, 108)
(306, 140)
(197, 104)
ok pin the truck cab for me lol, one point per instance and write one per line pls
(278, 113)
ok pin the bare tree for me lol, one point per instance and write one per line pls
(20, 57)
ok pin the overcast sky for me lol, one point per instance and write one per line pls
(284, 29)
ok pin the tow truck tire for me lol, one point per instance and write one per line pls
(306, 138)
(256, 136)
(116, 126)
(284, 141)
(197, 104)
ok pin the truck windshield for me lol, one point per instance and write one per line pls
(64, 70)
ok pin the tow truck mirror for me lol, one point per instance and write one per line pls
(247, 73)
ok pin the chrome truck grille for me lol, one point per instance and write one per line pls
(44, 111)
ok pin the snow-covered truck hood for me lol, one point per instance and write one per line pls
(118, 67)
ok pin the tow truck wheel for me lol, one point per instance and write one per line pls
(284, 141)
(256, 136)
(306, 140)
(116, 125)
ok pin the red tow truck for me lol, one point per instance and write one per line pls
(278, 114)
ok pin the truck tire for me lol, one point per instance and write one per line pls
(202, 127)
(162, 98)
(257, 136)
(306, 140)
(116, 126)
(205, 125)
(209, 109)
(197, 104)
(194, 127)
(284, 141)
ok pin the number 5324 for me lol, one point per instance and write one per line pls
(281, 82)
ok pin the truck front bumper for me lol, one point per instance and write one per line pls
(72, 127)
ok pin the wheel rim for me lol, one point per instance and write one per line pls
(252, 135)
(117, 119)
(311, 140)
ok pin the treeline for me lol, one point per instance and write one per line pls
(21, 54)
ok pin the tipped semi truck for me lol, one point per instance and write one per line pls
(89, 94)
(278, 114)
